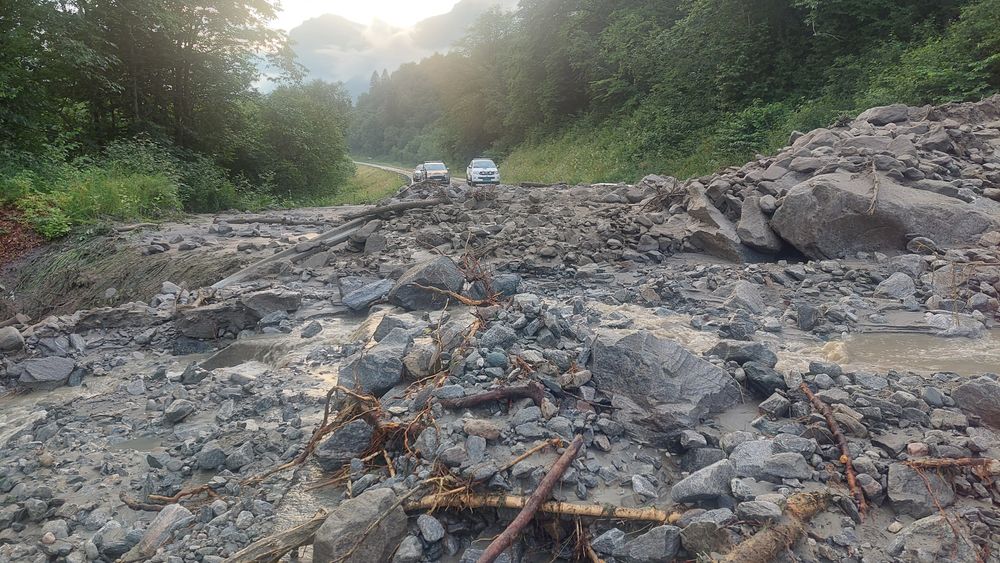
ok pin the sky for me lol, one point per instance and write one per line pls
(346, 40)
(400, 13)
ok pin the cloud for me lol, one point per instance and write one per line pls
(334, 48)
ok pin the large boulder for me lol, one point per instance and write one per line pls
(268, 301)
(707, 483)
(754, 230)
(348, 524)
(828, 216)
(361, 298)
(981, 397)
(885, 115)
(380, 368)
(440, 273)
(932, 539)
(45, 373)
(10, 339)
(347, 442)
(213, 321)
(915, 494)
(664, 386)
(710, 230)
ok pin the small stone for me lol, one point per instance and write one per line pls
(430, 528)
(758, 511)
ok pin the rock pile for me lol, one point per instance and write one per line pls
(471, 340)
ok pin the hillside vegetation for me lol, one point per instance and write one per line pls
(125, 111)
(598, 90)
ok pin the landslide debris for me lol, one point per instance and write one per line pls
(355, 377)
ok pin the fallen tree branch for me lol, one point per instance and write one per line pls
(456, 296)
(394, 207)
(473, 501)
(273, 548)
(765, 545)
(534, 391)
(185, 493)
(542, 492)
(845, 453)
(135, 227)
(135, 504)
(875, 188)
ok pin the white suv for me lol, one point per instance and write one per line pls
(482, 171)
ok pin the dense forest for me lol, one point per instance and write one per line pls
(139, 109)
(592, 90)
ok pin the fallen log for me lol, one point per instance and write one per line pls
(135, 227)
(394, 207)
(473, 501)
(991, 466)
(767, 544)
(456, 296)
(542, 492)
(534, 391)
(845, 453)
(273, 548)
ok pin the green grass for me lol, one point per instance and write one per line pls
(368, 185)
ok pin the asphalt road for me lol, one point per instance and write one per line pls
(401, 171)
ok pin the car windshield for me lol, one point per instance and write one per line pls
(483, 164)
(435, 166)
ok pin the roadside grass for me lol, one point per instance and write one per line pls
(368, 185)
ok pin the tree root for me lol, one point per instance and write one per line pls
(991, 466)
(185, 493)
(766, 544)
(534, 391)
(845, 453)
(273, 548)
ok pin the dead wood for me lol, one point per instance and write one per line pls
(845, 453)
(394, 207)
(765, 545)
(534, 391)
(542, 492)
(456, 296)
(992, 466)
(273, 548)
(473, 501)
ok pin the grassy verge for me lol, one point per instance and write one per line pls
(368, 185)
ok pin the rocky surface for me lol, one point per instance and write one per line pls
(680, 370)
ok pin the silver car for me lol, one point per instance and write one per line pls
(482, 171)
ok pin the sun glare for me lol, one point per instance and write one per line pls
(401, 13)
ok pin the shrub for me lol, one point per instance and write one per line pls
(43, 214)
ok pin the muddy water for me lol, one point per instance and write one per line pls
(921, 353)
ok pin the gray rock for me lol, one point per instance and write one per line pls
(345, 527)
(665, 387)
(161, 530)
(896, 286)
(609, 542)
(710, 230)
(362, 298)
(498, 336)
(211, 456)
(885, 115)
(750, 458)
(45, 373)
(705, 484)
(411, 550)
(742, 352)
(908, 492)
(746, 295)
(312, 329)
(763, 380)
(380, 368)
(348, 441)
(758, 511)
(981, 397)
(240, 458)
(788, 465)
(439, 272)
(643, 487)
(178, 410)
(827, 216)
(753, 228)
(776, 405)
(932, 539)
(269, 301)
(430, 528)
(10, 340)
(658, 545)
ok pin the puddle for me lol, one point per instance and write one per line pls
(144, 444)
(919, 353)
